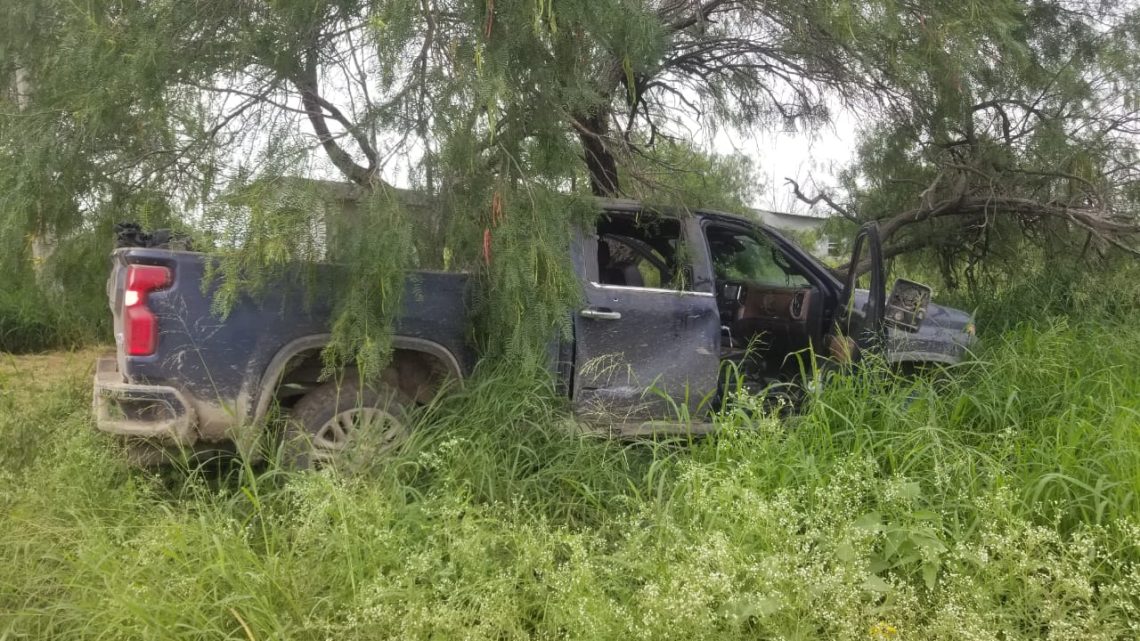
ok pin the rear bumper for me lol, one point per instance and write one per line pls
(156, 412)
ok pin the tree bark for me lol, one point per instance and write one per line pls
(22, 87)
(600, 161)
(42, 239)
(308, 85)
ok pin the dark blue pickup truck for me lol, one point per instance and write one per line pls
(667, 300)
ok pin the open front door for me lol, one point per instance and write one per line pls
(859, 324)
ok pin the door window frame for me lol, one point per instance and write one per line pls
(695, 256)
(773, 240)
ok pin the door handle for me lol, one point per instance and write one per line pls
(600, 314)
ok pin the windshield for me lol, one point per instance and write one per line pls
(741, 255)
(803, 257)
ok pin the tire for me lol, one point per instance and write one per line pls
(345, 424)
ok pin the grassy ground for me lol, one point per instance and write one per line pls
(999, 502)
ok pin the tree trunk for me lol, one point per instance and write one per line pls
(600, 161)
(22, 87)
(308, 85)
(42, 240)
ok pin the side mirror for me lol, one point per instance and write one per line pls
(906, 305)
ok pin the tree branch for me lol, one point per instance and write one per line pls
(821, 196)
(700, 15)
(315, 107)
(1092, 220)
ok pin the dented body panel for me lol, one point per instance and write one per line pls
(662, 342)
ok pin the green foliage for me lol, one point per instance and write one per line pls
(680, 175)
(999, 500)
(123, 106)
(377, 254)
(61, 302)
(1056, 290)
(529, 286)
(34, 319)
(264, 230)
(996, 500)
(991, 159)
(270, 230)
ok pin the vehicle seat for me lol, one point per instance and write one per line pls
(630, 275)
(613, 271)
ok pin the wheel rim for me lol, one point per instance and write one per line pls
(376, 425)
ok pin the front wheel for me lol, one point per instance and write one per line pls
(346, 424)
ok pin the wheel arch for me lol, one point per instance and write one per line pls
(427, 358)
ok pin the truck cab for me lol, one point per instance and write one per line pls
(670, 299)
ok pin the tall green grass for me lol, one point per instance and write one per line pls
(35, 319)
(996, 501)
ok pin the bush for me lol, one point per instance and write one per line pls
(35, 320)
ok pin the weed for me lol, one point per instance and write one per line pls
(996, 501)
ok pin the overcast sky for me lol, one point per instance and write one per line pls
(802, 156)
(776, 155)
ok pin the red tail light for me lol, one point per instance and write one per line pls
(140, 325)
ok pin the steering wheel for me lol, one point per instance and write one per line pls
(645, 251)
(782, 262)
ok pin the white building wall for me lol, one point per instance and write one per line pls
(797, 223)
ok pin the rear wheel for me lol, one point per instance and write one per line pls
(346, 424)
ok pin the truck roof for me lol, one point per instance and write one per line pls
(631, 206)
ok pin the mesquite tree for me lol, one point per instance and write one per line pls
(1030, 147)
(503, 110)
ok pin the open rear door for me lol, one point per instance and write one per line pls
(859, 324)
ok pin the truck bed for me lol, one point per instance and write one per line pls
(217, 367)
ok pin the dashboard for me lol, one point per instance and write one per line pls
(765, 302)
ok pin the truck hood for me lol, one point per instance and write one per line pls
(945, 336)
